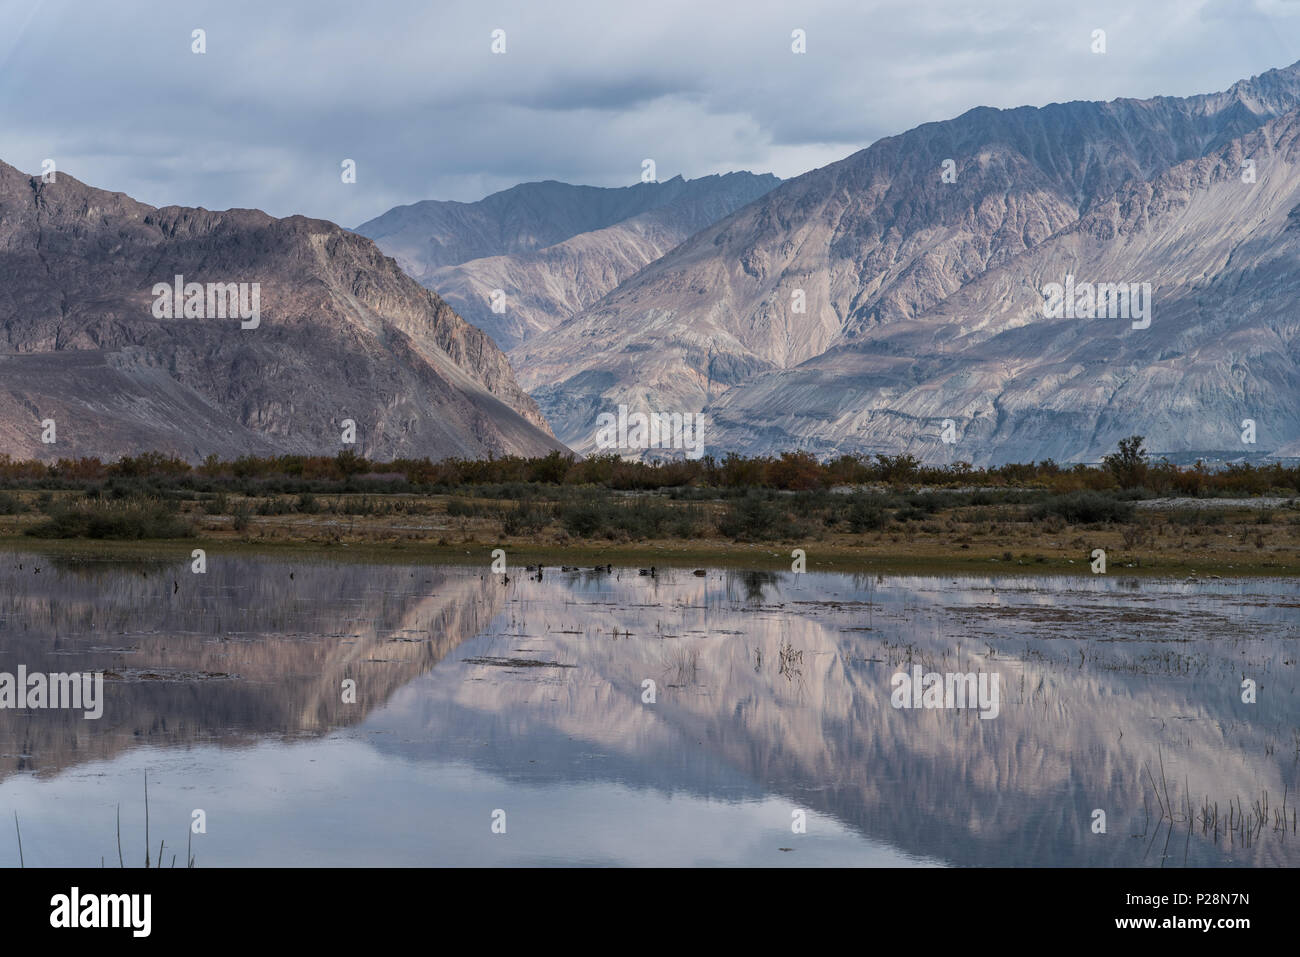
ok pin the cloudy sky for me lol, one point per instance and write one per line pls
(586, 90)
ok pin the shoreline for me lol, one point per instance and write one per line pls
(703, 554)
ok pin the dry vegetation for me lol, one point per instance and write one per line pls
(1035, 517)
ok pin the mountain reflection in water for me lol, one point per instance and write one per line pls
(771, 701)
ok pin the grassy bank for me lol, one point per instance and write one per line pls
(884, 528)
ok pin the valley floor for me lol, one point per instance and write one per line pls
(870, 531)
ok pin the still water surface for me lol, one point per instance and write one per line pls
(772, 706)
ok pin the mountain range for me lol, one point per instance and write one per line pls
(918, 293)
(897, 301)
(1222, 348)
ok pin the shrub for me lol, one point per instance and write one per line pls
(118, 520)
(459, 508)
(897, 468)
(639, 520)
(754, 518)
(1085, 508)
(526, 519)
(551, 469)
(795, 471)
(583, 520)
(864, 515)
(1129, 464)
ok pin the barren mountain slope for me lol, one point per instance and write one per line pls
(871, 240)
(343, 334)
(1222, 257)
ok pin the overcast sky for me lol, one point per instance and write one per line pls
(585, 91)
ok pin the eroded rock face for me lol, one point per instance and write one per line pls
(551, 249)
(1219, 346)
(874, 241)
(342, 334)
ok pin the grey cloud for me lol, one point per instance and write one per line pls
(411, 91)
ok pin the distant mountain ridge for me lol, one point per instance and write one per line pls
(551, 248)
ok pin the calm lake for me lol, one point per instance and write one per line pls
(734, 718)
